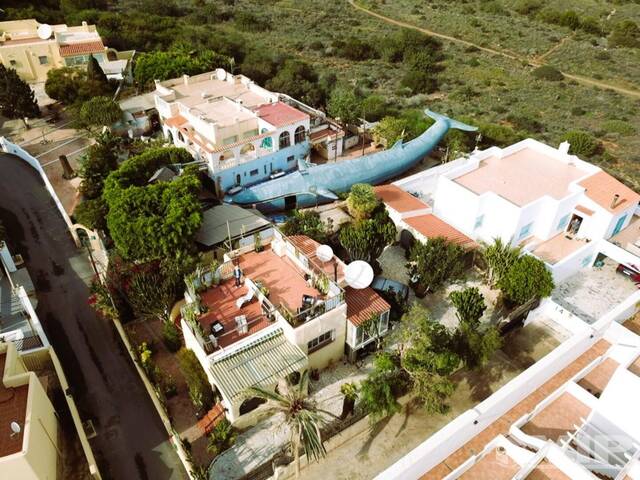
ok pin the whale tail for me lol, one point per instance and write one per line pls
(452, 123)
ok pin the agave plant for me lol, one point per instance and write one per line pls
(302, 417)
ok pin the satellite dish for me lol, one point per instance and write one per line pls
(15, 428)
(324, 253)
(44, 31)
(358, 274)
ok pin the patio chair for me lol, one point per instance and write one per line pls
(246, 298)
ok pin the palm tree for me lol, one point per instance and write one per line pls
(302, 417)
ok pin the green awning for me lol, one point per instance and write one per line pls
(260, 363)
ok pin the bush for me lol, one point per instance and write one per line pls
(527, 7)
(435, 262)
(549, 73)
(307, 223)
(199, 388)
(171, 336)
(625, 34)
(92, 213)
(362, 201)
(222, 437)
(583, 144)
(618, 126)
(527, 278)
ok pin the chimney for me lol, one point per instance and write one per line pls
(614, 202)
(185, 79)
(564, 147)
(84, 23)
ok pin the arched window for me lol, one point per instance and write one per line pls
(299, 135)
(285, 140)
(180, 137)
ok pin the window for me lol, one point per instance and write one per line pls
(43, 60)
(525, 231)
(363, 335)
(317, 343)
(230, 140)
(586, 261)
(564, 221)
(299, 135)
(479, 221)
(253, 173)
(291, 158)
(285, 140)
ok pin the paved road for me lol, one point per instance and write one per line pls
(131, 442)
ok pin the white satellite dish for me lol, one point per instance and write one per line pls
(324, 253)
(15, 428)
(44, 31)
(358, 274)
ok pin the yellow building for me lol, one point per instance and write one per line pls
(32, 49)
(28, 424)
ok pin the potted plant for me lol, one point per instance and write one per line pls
(350, 392)
(257, 242)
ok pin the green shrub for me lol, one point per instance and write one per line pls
(171, 336)
(527, 7)
(618, 126)
(547, 72)
(583, 144)
(200, 390)
(362, 201)
(527, 278)
(625, 34)
(222, 437)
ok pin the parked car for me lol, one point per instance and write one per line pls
(385, 285)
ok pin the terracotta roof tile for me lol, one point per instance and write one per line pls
(396, 198)
(280, 114)
(175, 121)
(362, 303)
(81, 48)
(431, 226)
(601, 187)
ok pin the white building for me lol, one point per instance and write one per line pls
(558, 207)
(290, 313)
(243, 132)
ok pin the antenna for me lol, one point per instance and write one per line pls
(15, 429)
(44, 31)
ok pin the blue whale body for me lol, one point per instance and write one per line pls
(312, 185)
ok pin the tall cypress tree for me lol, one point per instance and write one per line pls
(17, 100)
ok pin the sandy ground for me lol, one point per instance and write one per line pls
(369, 453)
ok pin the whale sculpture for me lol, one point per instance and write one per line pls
(311, 185)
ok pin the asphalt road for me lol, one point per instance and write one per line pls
(131, 442)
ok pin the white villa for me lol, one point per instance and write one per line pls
(559, 208)
(244, 133)
(290, 313)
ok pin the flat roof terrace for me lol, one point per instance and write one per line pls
(493, 466)
(557, 419)
(546, 471)
(13, 408)
(522, 176)
(192, 93)
(557, 248)
(502, 424)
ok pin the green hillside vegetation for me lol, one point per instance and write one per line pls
(307, 48)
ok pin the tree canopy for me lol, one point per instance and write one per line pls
(344, 105)
(157, 220)
(434, 262)
(99, 112)
(17, 100)
(528, 278)
(366, 239)
(307, 222)
(179, 60)
(362, 201)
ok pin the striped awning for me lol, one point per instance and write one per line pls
(260, 363)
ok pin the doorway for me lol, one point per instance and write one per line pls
(290, 202)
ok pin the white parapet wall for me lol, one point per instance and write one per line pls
(19, 152)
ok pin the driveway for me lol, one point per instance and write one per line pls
(131, 442)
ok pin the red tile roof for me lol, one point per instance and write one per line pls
(280, 114)
(362, 303)
(396, 198)
(81, 48)
(601, 187)
(431, 226)
(308, 247)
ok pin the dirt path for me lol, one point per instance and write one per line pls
(540, 58)
(503, 53)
